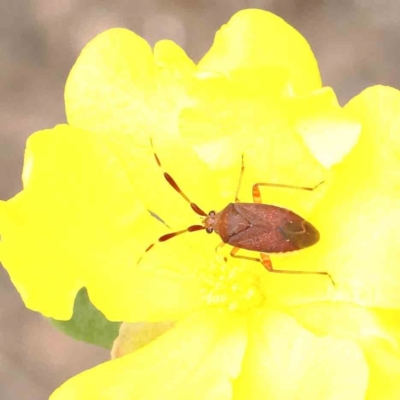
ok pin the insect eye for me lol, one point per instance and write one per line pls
(210, 230)
(211, 213)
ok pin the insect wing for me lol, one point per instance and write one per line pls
(300, 233)
(273, 229)
(259, 239)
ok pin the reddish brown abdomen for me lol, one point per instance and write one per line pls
(264, 228)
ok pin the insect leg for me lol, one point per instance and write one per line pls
(220, 246)
(236, 249)
(257, 194)
(240, 182)
(171, 235)
(265, 260)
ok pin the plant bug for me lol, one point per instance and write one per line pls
(258, 227)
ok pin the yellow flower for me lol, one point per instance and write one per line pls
(238, 332)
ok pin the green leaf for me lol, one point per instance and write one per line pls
(88, 323)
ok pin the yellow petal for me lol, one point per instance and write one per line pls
(132, 337)
(257, 38)
(324, 126)
(117, 85)
(3, 217)
(119, 89)
(73, 222)
(196, 360)
(164, 286)
(237, 124)
(377, 331)
(349, 320)
(284, 361)
(358, 217)
(384, 370)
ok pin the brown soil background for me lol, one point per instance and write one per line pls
(357, 44)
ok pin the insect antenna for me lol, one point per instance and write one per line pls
(171, 235)
(172, 182)
(194, 207)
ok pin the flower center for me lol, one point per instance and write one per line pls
(232, 284)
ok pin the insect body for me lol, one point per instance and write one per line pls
(261, 227)
(254, 226)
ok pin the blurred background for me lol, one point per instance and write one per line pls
(356, 42)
